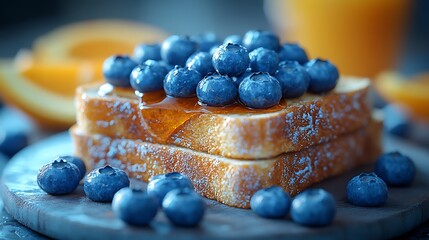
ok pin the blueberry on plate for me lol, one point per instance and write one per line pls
(264, 60)
(367, 190)
(254, 39)
(59, 177)
(117, 69)
(293, 52)
(395, 169)
(260, 90)
(134, 206)
(272, 202)
(231, 59)
(161, 184)
(175, 50)
(145, 52)
(184, 207)
(148, 77)
(217, 91)
(101, 184)
(11, 142)
(313, 208)
(237, 39)
(323, 75)
(201, 62)
(396, 121)
(293, 78)
(237, 80)
(76, 161)
(205, 41)
(181, 82)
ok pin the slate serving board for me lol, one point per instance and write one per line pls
(75, 217)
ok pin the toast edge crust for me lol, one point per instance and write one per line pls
(226, 180)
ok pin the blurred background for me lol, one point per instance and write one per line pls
(386, 40)
(21, 26)
(22, 21)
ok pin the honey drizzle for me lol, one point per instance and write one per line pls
(162, 115)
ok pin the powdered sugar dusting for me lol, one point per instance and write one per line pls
(229, 181)
(305, 172)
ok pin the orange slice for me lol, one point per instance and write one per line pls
(60, 77)
(96, 39)
(42, 83)
(48, 108)
(412, 93)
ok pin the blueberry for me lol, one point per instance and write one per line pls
(201, 62)
(237, 80)
(238, 39)
(313, 208)
(117, 69)
(272, 202)
(395, 169)
(231, 59)
(293, 78)
(181, 82)
(12, 142)
(148, 77)
(183, 207)
(161, 184)
(175, 50)
(217, 90)
(214, 49)
(396, 122)
(59, 177)
(166, 65)
(260, 90)
(205, 41)
(293, 52)
(264, 60)
(145, 52)
(254, 39)
(323, 75)
(366, 190)
(76, 161)
(102, 183)
(134, 207)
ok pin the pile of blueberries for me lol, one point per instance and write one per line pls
(174, 192)
(254, 69)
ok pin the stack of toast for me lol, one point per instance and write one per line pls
(229, 153)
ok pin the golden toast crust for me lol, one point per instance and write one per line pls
(306, 121)
(226, 180)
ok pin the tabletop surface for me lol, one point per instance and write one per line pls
(12, 229)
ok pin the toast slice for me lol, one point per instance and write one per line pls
(227, 180)
(231, 132)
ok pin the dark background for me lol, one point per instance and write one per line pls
(21, 21)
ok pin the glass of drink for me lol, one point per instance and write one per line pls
(362, 37)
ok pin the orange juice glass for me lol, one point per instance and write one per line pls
(362, 37)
